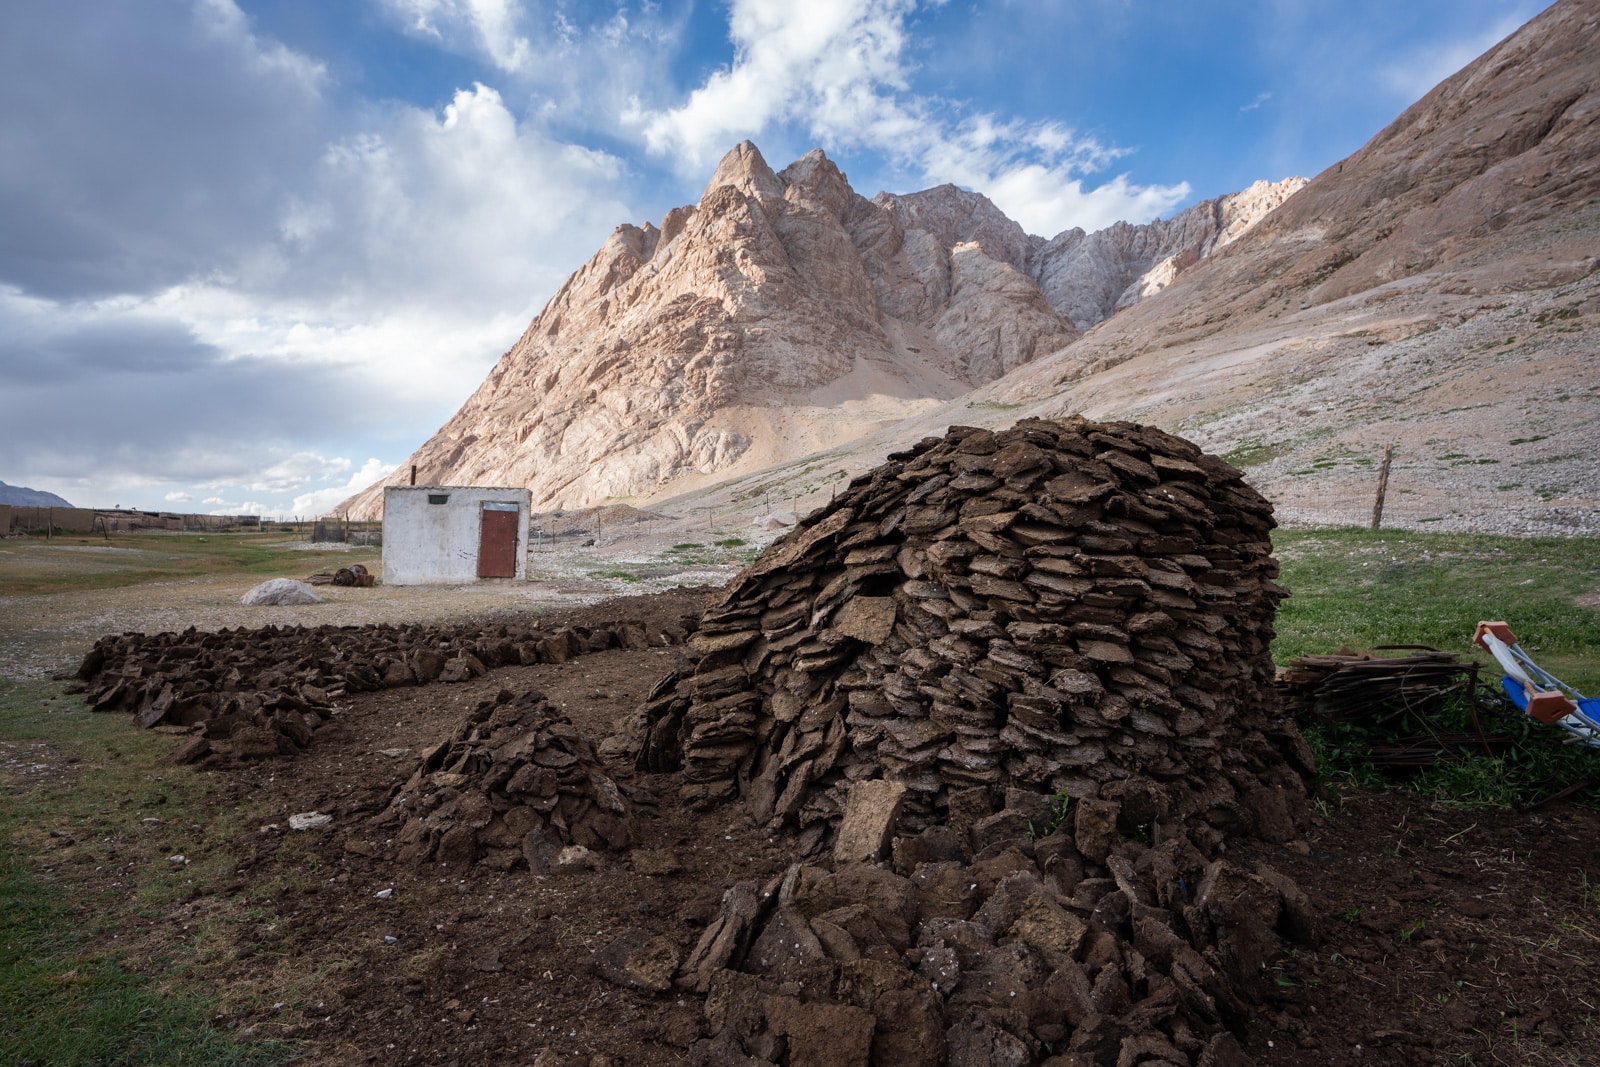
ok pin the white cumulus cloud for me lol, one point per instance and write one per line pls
(465, 205)
(281, 275)
(839, 69)
(418, 253)
(831, 62)
(320, 501)
(296, 471)
(489, 26)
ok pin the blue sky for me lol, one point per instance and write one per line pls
(253, 252)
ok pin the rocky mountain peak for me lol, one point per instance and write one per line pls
(1425, 290)
(953, 216)
(816, 178)
(1089, 277)
(746, 170)
(1438, 290)
(781, 314)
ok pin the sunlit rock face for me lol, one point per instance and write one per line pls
(782, 314)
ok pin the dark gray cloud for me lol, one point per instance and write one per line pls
(148, 145)
(141, 144)
(222, 275)
(119, 398)
(118, 345)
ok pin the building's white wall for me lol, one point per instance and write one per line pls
(432, 544)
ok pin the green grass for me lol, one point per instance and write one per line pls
(727, 550)
(618, 573)
(1253, 453)
(65, 1001)
(1364, 588)
(88, 819)
(35, 565)
(1537, 763)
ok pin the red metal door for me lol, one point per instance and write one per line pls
(497, 544)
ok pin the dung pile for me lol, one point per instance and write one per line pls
(1071, 608)
(515, 784)
(263, 692)
(1031, 665)
(1031, 954)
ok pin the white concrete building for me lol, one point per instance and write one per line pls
(439, 534)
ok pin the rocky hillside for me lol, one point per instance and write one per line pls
(1086, 276)
(1439, 290)
(785, 314)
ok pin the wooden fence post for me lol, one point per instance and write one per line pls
(1383, 486)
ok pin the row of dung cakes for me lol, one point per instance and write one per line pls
(1070, 607)
(256, 693)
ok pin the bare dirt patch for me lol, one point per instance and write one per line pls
(1449, 936)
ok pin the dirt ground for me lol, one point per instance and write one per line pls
(1447, 935)
(43, 635)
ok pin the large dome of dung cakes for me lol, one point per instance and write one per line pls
(1064, 607)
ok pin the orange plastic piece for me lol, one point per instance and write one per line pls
(1549, 706)
(1499, 629)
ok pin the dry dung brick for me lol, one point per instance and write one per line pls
(264, 692)
(1071, 608)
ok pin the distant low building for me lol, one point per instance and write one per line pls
(56, 520)
(441, 534)
(47, 519)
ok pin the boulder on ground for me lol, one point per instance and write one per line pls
(276, 591)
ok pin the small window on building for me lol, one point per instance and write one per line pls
(438, 498)
(498, 506)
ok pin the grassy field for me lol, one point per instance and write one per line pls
(34, 565)
(1350, 586)
(1363, 588)
(88, 823)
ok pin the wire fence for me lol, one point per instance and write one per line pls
(1424, 498)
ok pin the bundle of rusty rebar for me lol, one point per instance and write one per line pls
(1424, 750)
(1373, 689)
(1376, 691)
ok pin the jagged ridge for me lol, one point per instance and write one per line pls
(782, 314)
